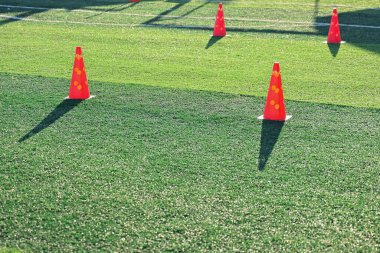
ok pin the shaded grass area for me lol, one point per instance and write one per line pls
(157, 169)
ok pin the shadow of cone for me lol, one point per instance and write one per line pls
(60, 110)
(220, 26)
(270, 132)
(275, 104)
(79, 84)
(213, 40)
(334, 49)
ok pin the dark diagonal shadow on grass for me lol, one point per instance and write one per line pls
(212, 41)
(117, 8)
(18, 17)
(334, 49)
(61, 109)
(196, 8)
(164, 13)
(270, 131)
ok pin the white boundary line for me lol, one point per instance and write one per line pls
(64, 22)
(264, 4)
(162, 16)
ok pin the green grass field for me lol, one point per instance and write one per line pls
(169, 155)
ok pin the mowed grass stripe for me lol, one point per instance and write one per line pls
(239, 64)
(159, 169)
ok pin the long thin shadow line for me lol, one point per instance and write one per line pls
(316, 8)
(183, 15)
(191, 11)
(60, 110)
(117, 8)
(159, 16)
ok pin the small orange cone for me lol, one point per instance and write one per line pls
(334, 30)
(220, 26)
(275, 105)
(79, 83)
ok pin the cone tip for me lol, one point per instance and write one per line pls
(276, 66)
(78, 50)
(335, 10)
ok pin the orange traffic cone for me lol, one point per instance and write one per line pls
(275, 105)
(220, 26)
(79, 83)
(334, 30)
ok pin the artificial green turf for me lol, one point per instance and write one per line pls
(156, 169)
(155, 164)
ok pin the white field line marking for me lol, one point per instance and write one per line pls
(254, 3)
(199, 18)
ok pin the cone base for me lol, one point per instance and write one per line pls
(286, 118)
(227, 35)
(342, 42)
(68, 98)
